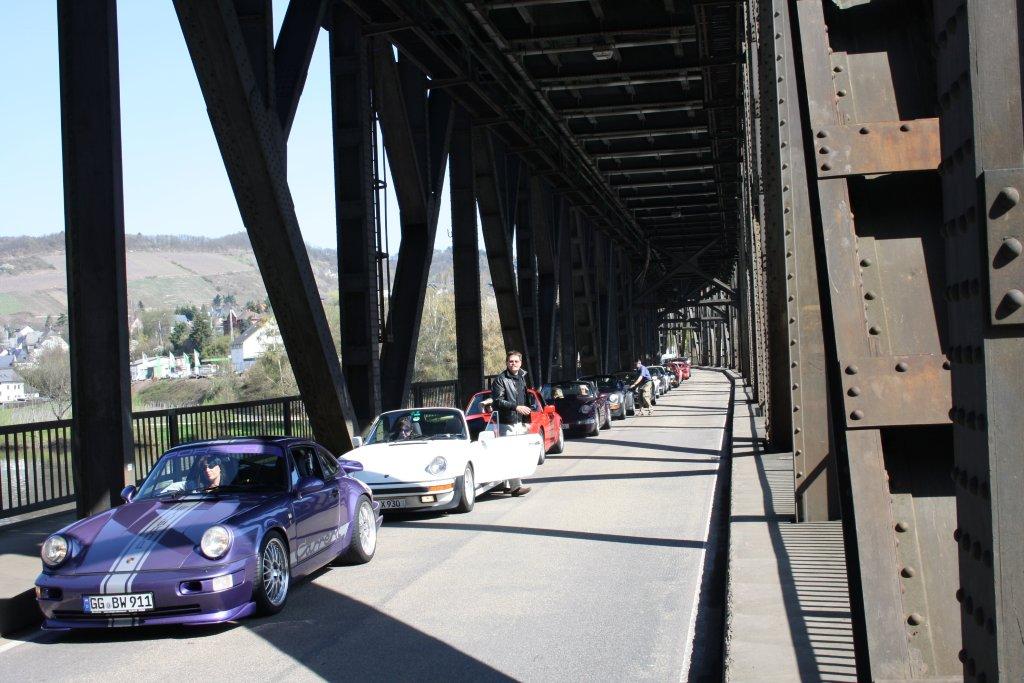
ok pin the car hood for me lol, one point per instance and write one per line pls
(148, 534)
(571, 404)
(394, 463)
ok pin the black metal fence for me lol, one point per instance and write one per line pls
(35, 458)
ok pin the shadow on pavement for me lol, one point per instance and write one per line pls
(658, 447)
(627, 475)
(329, 635)
(702, 461)
(559, 533)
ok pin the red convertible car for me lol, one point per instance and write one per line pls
(544, 420)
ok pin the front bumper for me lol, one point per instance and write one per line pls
(180, 596)
(579, 424)
(407, 497)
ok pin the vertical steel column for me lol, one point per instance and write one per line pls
(796, 271)
(353, 191)
(465, 259)
(101, 435)
(546, 217)
(583, 298)
(566, 296)
(979, 89)
(526, 277)
(491, 193)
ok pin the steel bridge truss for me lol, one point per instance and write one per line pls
(822, 194)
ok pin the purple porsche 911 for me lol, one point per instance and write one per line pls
(216, 532)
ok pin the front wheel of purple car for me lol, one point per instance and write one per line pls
(364, 536)
(273, 575)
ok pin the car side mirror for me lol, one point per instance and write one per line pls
(128, 493)
(351, 466)
(357, 441)
(485, 435)
(309, 485)
(550, 410)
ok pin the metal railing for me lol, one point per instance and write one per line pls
(35, 458)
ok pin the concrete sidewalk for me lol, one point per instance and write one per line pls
(19, 566)
(787, 605)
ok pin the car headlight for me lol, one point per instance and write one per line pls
(614, 398)
(586, 409)
(55, 550)
(215, 542)
(437, 466)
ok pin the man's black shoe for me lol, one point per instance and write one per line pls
(521, 491)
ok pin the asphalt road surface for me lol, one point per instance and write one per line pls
(593, 575)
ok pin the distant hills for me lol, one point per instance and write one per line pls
(164, 271)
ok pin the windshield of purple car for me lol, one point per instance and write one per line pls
(418, 424)
(605, 382)
(222, 469)
(554, 392)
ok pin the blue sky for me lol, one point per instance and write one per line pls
(174, 180)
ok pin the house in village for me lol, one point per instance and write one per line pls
(252, 344)
(12, 386)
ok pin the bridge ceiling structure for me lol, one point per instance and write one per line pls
(632, 111)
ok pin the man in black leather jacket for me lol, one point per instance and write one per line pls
(508, 393)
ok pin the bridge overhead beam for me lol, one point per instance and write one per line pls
(352, 119)
(253, 149)
(417, 133)
(465, 259)
(102, 450)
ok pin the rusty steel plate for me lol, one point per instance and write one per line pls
(879, 147)
(885, 391)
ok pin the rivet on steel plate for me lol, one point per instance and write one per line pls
(822, 134)
(1010, 195)
(902, 527)
(865, 130)
(841, 93)
(869, 295)
(851, 369)
(1010, 249)
(857, 414)
(826, 167)
(865, 262)
(959, 594)
(793, 364)
(905, 128)
(798, 452)
(908, 573)
(853, 391)
(945, 365)
(915, 619)
(901, 367)
(792, 320)
(874, 330)
(799, 475)
(838, 69)
(1014, 298)
(796, 409)
(796, 430)
(795, 387)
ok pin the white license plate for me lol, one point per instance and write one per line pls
(114, 604)
(391, 504)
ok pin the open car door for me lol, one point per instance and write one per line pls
(506, 457)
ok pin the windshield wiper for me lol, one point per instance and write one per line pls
(234, 488)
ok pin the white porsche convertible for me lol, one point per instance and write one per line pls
(423, 459)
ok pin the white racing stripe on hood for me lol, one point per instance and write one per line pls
(122, 572)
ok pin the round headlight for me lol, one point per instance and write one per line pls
(586, 409)
(614, 398)
(55, 550)
(437, 465)
(215, 543)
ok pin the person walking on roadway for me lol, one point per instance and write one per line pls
(508, 396)
(646, 384)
